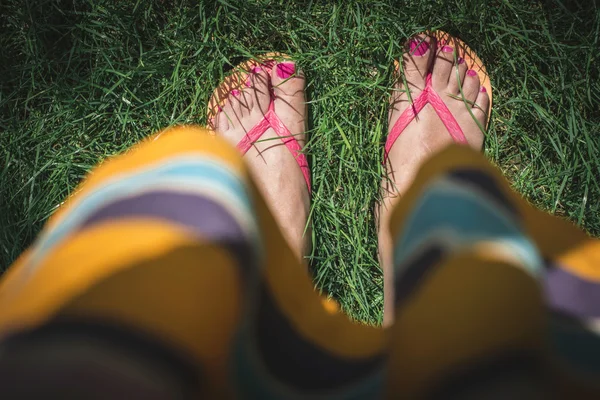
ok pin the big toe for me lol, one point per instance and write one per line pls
(413, 74)
(287, 80)
(290, 103)
(416, 62)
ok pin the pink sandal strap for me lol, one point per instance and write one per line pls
(271, 120)
(428, 95)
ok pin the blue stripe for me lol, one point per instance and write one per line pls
(454, 211)
(181, 172)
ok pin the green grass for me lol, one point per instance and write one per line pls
(81, 82)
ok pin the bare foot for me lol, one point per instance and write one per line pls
(426, 134)
(274, 169)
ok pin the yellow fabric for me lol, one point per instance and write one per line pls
(163, 278)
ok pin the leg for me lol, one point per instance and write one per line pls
(490, 293)
(427, 134)
(271, 163)
(153, 240)
(172, 244)
(330, 353)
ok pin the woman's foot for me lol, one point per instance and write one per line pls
(426, 134)
(274, 168)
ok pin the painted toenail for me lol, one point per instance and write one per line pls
(256, 70)
(418, 47)
(219, 108)
(472, 72)
(447, 49)
(285, 70)
(235, 92)
(482, 89)
(248, 82)
(461, 60)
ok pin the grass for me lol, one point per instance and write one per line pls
(81, 81)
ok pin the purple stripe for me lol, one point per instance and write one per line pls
(193, 211)
(200, 214)
(571, 294)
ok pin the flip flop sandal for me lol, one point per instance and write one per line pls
(237, 81)
(430, 96)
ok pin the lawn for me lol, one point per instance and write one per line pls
(80, 82)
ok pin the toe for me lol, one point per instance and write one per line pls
(442, 69)
(457, 76)
(220, 122)
(416, 62)
(231, 112)
(241, 102)
(482, 106)
(261, 92)
(471, 85)
(288, 89)
(237, 102)
(247, 99)
(287, 80)
(412, 73)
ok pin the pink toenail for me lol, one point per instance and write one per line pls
(461, 60)
(418, 47)
(219, 108)
(235, 92)
(285, 70)
(472, 72)
(483, 89)
(256, 70)
(447, 49)
(248, 82)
